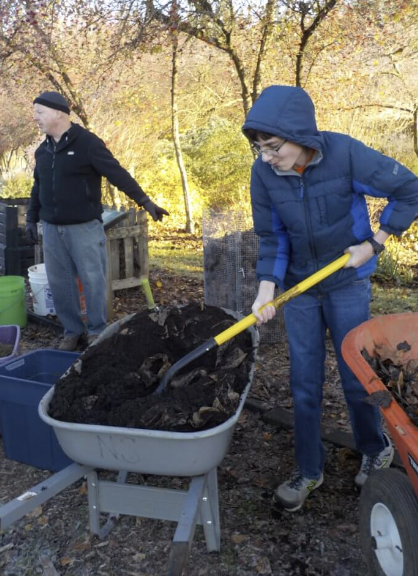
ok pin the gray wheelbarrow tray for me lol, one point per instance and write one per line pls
(146, 451)
(126, 450)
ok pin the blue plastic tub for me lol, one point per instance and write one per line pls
(23, 382)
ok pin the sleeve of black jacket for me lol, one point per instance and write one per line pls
(106, 165)
(32, 214)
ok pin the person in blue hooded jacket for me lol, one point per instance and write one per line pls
(308, 199)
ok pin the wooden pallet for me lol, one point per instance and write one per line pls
(127, 242)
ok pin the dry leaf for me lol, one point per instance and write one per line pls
(43, 520)
(238, 538)
(35, 512)
(262, 482)
(81, 546)
(263, 567)
(381, 398)
(404, 346)
(400, 383)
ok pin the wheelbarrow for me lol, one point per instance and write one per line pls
(193, 455)
(389, 498)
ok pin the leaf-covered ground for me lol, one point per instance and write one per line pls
(321, 539)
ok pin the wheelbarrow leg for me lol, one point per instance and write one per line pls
(183, 537)
(199, 505)
(209, 513)
(178, 559)
(94, 506)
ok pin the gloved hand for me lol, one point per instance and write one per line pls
(155, 211)
(32, 232)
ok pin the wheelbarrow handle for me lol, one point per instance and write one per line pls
(283, 298)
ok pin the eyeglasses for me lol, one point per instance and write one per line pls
(271, 151)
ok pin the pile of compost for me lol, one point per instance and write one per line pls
(112, 383)
(399, 377)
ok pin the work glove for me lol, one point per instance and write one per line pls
(155, 211)
(32, 232)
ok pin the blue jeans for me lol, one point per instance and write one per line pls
(71, 251)
(307, 317)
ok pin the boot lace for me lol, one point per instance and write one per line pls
(296, 481)
(369, 464)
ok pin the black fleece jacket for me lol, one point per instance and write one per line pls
(68, 175)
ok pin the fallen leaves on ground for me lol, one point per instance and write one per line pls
(399, 373)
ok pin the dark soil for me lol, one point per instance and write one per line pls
(114, 385)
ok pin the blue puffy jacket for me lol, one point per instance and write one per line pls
(306, 221)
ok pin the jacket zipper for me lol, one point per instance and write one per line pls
(54, 148)
(308, 221)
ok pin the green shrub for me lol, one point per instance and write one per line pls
(219, 158)
(18, 185)
(393, 266)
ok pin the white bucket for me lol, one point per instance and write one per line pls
(43, 303)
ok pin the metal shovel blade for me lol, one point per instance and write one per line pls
(249, 320)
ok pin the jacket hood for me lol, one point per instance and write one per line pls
(287, 112)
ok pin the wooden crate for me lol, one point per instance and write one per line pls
(127, 245)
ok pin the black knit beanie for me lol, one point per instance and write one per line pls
(53, 100)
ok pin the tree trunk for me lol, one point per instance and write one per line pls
(176, 137)
(306, 33)
(265, 38)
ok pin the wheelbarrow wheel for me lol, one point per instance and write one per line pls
(389, 524)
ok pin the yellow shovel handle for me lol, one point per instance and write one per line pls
(285, 297)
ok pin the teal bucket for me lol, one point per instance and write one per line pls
(13, 301)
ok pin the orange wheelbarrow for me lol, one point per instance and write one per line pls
(389, 498)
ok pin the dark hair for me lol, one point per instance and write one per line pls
(254, 135)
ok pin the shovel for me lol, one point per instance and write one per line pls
(249, 320)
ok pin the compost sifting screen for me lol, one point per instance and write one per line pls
(230, 250)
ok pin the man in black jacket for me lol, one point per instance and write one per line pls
(66, 198)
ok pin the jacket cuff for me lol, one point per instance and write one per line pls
(274, 279)
(140, 197)
(390, 230)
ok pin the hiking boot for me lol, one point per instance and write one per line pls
(292, 494)
(371, 463)
(91, 338)
(69, 343)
